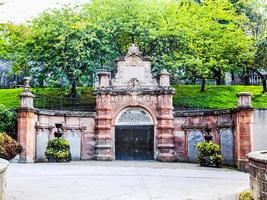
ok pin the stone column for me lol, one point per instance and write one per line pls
(103, 147)
(165, 128)
(26, 124)
(244, 131)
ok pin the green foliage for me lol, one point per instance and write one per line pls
(70, 45)
(7, 120)
(209, 154)
(58, 150)
(9, 148)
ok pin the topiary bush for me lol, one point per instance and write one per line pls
(58, 150)
(9, 147)
(209, 154)
(7, 120)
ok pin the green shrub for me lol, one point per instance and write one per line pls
(209, 154)
(9, 147)
(58, 150)
(245, 195)
(7, 120)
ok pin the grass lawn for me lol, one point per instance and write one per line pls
(216, 96)
(186, 96)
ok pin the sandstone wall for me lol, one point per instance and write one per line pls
(189, 128)
(79, 130)
(258, 178)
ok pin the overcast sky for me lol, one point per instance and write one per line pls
(18, 11)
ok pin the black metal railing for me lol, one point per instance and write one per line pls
(188, 108)
(63, 103)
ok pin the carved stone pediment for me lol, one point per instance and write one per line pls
(133, 67)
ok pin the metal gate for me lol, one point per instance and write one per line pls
(134, 142)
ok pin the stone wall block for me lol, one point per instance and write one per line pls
(258, 175)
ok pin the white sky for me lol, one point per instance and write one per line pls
(19, 11)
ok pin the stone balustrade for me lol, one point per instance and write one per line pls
(258, 174)
(3, 167)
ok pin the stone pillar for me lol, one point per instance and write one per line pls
(244, 130)
(258, 178)
(165, 127)
(103, 79)
(26, 124)
(103, 146)
(164, 79)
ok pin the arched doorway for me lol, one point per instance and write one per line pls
(134, 135)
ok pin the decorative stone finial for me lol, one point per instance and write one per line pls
(103, 79)
(244, 100)
(26, 97)
(133, 50)
(164, 79)
(26, 83)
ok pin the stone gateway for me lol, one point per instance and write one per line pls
(134, 119)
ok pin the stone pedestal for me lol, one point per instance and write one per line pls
(244, 130)
(258, 178)
(26, 124)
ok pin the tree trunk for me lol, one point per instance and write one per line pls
(203, 84)
(233, 78)
(218, 77)
(246, 77)
(264, 87)
(193, 81)
(263, 78)
(73, 91)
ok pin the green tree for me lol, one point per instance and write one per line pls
(256, 10)
(202, 39)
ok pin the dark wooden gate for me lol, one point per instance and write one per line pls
(134, 142)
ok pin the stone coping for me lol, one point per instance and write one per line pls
(65, 113)
(3, 165)
(188, 113)
(260, 156)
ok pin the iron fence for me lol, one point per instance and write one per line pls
(63, 103)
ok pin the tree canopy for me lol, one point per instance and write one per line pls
(192, 39)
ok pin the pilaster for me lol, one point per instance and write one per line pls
(244, 130)
(26, 124)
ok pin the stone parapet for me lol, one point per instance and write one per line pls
(258, 175)
(3, 168)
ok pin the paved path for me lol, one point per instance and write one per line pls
(122, 181)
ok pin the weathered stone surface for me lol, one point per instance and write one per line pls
(258, 175)
(3, 168)
(74, 138)
(227, 146)
(42, 138)
(194, 137)
(259, 136)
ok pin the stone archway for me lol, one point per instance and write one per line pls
(134, 135)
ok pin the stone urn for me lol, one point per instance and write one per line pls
(3, 168)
